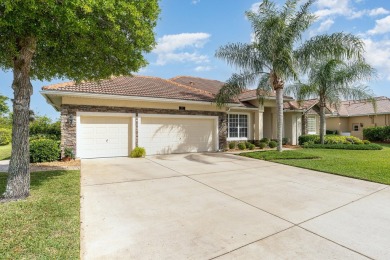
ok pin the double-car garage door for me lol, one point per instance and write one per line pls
(111, 136)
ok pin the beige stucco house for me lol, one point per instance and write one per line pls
(351, 117)
(111, 117)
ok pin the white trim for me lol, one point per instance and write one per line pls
(101, 114)
(105, 114)
(215, 118)
(249, 129)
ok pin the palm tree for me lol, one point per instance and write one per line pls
(332, 81)
(272, 58)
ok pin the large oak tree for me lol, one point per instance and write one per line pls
(75, 39)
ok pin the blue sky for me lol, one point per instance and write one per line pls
(189, 31)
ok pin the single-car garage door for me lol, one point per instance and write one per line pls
(164, 135)
(103, 136)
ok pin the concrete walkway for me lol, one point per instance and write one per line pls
(206, 206)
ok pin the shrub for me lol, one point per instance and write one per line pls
(285, 140)
(241, 146)
(5, 136)
(138, 152)
(256, 142)
(366, 142)
(307, 138)
(272, 144)
(68, 152)
(262, 145)
(43, 126)
(232, 145)
(251, 146)
(275, 140)
(265, 140)
(247, 144)
(44, 150)
(377, 134)
(344, 146)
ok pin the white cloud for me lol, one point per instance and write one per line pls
(255, 7)
(194, 2)
(181, 48)
(378, 55)
(381, 26)
(203, 68)
(344, 8)
(332, 7)
(325, 25)
(378, 11)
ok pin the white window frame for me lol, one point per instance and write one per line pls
(315, 124)
(248, 133)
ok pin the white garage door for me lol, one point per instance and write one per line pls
(103, 137)
(164, 135)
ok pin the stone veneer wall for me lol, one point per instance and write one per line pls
(68, 136)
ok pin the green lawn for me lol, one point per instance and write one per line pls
(366, 165)
(5, 152)
(47, 224)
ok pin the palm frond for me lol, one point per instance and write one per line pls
(234, 86)
(337, 46)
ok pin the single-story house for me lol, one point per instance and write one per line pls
(111, 117)
(351, 117)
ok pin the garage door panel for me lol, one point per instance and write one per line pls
(103, 137)
(177, 135)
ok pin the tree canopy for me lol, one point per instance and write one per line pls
(78, 39)
(4, 109)
(75, 39)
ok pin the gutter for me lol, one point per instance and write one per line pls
(49, 101)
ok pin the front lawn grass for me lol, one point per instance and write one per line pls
(366, 165)
(5, 152)
(47, 224)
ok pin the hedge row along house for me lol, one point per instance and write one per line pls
(178, 115)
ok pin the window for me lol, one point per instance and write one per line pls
(355, 127)
(312, 124)
(237, 126)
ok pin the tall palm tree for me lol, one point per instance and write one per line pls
(331, 81)
(272, 58)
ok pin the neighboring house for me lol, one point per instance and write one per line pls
(110, 117)
(310, 121)
(351, 117)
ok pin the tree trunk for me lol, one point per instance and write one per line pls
(279, 109)
(322, 121)
(18, 182)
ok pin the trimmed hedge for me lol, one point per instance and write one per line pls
(241, 146)
(5, 136)
(44, 150)
(344, 146)
(272, 144)
(329, 139)
(377, 134)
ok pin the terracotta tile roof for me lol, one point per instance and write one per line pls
(304, 105)
(363, 107)
(209, 85)
(140, 86)
(252, 94)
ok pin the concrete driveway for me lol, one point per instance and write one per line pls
(205, 206)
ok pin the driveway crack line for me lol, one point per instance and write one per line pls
(344, 205)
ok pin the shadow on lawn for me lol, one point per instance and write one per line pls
(37, 178)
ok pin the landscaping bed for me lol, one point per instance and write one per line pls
(47, 224)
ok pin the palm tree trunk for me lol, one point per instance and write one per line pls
(279, 109)
(18, 182)
(322, 122)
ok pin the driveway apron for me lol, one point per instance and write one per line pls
(214, 205)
